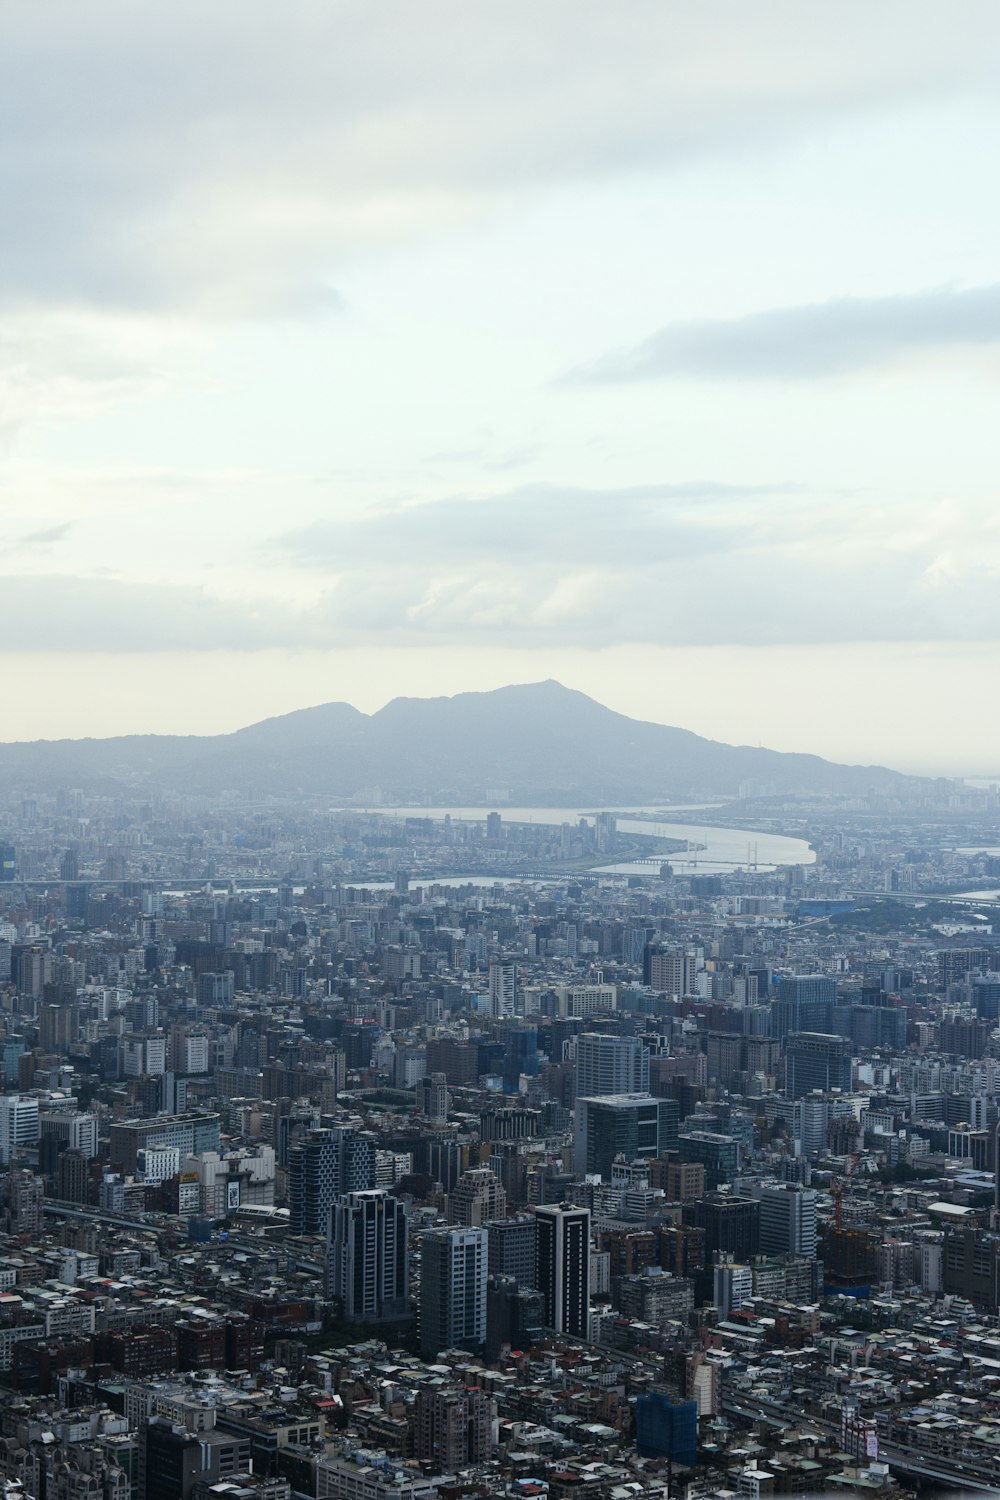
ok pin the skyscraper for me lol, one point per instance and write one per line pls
(816, 1060)
(564, 1266)
(788, 1220)
(367, 1256)
(629, 1125)
(805, 1003)
(321, 1167)
(610, 1065)
(477, 1197)
(453, 1274)
(513, 1248)
(18, 1124)
(503, 987)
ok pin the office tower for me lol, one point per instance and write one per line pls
(665, 1428)
(580, 1001)
(871, 1026)
(503, 987)
(453, 1426)
(445, 1162)
(58, 1027)
(18, 1124)
(671, 971)
(810, 1121)
(8, 862)
(515, 1315)
(520, 1056)
(634, 941)
(610, 1065)
(719, 1154)
(367, 1256)
(72, 1177)
(512, 1248)
(564, 1266)
(955, 963)
(788, 1220)
(172, 1461)
(453, 1273)
(477, 1197)
(322, 1167)
(64, 1131)
(458, 1061)
(191, 1134)
(433, 1099)
(508, 1122)
(730, 1224)
(806, 1003)
(726, 1055)
(814, 1060)
(629, 1125)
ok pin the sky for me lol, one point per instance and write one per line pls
(353, 350)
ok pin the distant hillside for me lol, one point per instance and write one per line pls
(541, 743)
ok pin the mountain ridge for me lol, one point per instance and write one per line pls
(535, 741)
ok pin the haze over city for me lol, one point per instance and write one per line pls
(353, 351)
(499, 756)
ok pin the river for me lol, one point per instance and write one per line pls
(722, 849)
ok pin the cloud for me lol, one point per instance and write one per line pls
(236, 174)
(815, 341)
(47, 536)
(774, 582)
(55, 612)
(537, 522)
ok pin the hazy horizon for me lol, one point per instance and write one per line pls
(371, 704)
(351, 352)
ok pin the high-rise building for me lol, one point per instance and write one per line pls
(816, 1060)
(433, 1099)
(367, 1256)
(72, 1177)
(513, 1248)
(503, 987)
(629, 1125)
(730, 1224)
(327, 1163)
(665, 1428)
(453, 1426)
(520, 1056)
(191, 1134)
(805, 1003)
(788, 1220)
(564, 1266)
(508, 1122)
(477, 1197)
(610, 1065)
(671, 971)
(18, 1124)
(515, 1315)
(453, 1273)
(65, 1130)
(21, 1197)
(172, 1461)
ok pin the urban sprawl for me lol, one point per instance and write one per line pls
(387, 1156)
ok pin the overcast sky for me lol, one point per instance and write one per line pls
(352, 350)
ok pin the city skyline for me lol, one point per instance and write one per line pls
(658, 358)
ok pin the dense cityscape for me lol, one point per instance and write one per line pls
(366, 1153)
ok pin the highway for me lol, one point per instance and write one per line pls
(925, 1466)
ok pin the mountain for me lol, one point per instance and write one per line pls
(540, 742)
